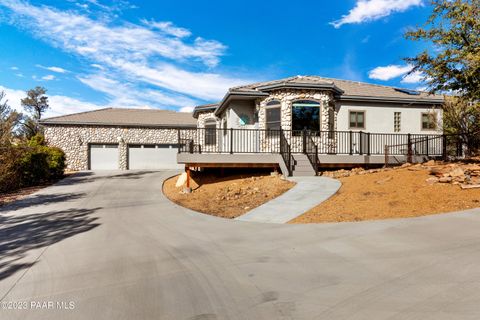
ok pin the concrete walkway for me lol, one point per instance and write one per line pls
(309, 192)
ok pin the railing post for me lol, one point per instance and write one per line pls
(361, 142)
(426, 142)
(386, 156)
(281, 140)
(231, 140)
(190, 146)
(368, 143)
(304, 136)
(351, 142)
(444, 147)
(409, 150)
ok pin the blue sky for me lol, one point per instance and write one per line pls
(177, 54)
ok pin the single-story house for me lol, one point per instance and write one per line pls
(110, 138)
(297, 124)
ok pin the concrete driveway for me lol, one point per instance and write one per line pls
(112, 247)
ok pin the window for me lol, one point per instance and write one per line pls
(429, 121)
(397, 118)
(357, 119)
(210, 132)
(306, 115)
(243, 120)
(273, 115)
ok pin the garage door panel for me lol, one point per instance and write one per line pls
(103, 156)
(162, 156)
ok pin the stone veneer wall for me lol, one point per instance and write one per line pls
(74, 140)
(286, 98)
(203, 116)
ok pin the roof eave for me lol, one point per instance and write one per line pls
(314, 86)
(228, 97)
(109, 124)
(197, 110)
(392, 99)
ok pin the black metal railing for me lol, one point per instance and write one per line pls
(234, 141)
(311, 151)
(286, 152)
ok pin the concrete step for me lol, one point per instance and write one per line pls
(302, 174)
(302, 166)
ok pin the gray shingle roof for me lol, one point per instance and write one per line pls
(350, 88)
(204, 107)
(126, 117)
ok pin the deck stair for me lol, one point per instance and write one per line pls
(301, 166)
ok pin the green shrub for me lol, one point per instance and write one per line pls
(33, 167)
(55, 161)
(30, 164)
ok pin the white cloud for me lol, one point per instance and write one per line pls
(394, 71)
(125, 95)
(370, 10)
(186, 109)
(13, 68)
(414, 77)
(53, 69)
(169, 28)
(59, 104)
(48, 77)
(158, 55)
(388, 72)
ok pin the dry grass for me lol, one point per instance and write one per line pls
(227, 197)
(391, 194)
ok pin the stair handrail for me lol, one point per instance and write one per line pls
(311, 151)
(286, 152)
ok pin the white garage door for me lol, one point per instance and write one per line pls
(104, 157)
(153, 156)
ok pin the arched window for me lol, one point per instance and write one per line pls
(306, 115)
(210, 131)
(273, 115)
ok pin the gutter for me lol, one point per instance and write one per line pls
(106, 124)
(392, 100)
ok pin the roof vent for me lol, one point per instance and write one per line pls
(408, 91)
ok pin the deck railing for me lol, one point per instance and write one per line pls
(233, 141)
(311, 150)
(286, 152)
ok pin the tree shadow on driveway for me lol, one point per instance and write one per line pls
(41, 199)
(20, 233)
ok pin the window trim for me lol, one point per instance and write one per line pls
(319, 106)
(435, 121)
(364, 119)
(208, 134)
(273, 106)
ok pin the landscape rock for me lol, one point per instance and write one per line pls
(445, 179)
(431, 180)
(181, 180)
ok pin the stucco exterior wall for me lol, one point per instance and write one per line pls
(75, 140)
(380, 118)
(236, 110)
